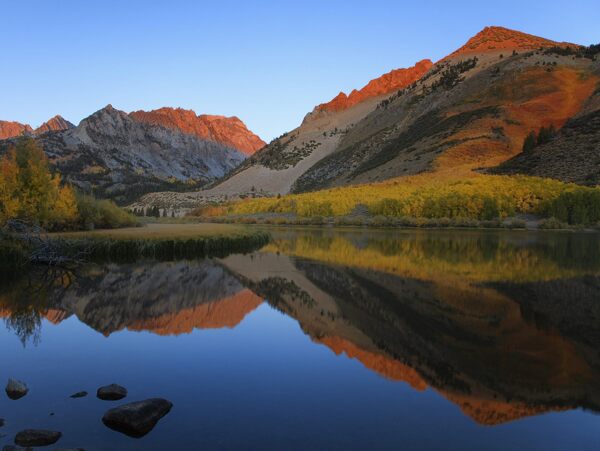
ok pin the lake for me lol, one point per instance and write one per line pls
(323, 339)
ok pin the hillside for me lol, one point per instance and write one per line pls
(112, 155)
(469, 111)
(573, 155)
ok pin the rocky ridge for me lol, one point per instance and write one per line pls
(230, 131)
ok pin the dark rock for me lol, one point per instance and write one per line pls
(79, 394)
(137, 418)
(16, 448)
(37, 437)
(112, 392)
(16, 389)
(2, 422)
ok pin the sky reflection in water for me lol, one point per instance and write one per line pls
(323, 339)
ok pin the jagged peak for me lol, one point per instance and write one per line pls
(495, 38)
(387, 83)
(56, 123)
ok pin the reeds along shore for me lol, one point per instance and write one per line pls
(15, 254)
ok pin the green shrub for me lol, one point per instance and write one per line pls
(102, 214)
(552, 224)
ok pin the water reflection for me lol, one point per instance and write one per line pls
(505, 325)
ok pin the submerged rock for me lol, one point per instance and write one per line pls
(137, 418)
(37, 437)
(111, 392)
(16, 389)
(2, 422)
(79, 394)
(16, 448)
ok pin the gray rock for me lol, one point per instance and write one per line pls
(79, 394)
(16, 389)
(37, 437)
(111, 392)
(137, 418)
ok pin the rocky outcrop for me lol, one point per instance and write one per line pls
(56, 124)
(229, 131)
(12, 129)
(492, 39)
(386, 84)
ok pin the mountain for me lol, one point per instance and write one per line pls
(467, 112)
(230, 131)
(56, 124)
(113, 155)
(11, 129)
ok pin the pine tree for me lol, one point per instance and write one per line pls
(530, 142)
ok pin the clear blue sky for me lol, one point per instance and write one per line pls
(267, 62)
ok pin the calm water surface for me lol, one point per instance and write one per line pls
(321, 340)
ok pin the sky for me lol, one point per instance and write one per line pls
(267, 62)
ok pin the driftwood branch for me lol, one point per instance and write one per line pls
(44, 249)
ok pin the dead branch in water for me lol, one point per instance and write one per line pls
(43, 249)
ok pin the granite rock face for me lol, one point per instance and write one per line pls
(229, 131)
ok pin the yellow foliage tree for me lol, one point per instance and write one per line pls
(28, 190)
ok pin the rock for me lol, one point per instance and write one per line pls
(137, 418)
(111, 392)
(2, 422)
(16, 448)
(37, 437)
(79, 394)
(16, 389)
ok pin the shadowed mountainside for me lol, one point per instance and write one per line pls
(573, 155)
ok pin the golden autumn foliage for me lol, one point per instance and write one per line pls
(29, 191)
(475, 196)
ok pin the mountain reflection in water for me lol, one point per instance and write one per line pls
(505, 325)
